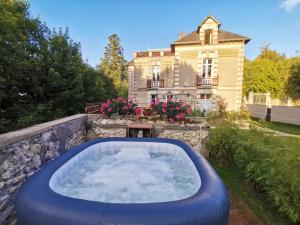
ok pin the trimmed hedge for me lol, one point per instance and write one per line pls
(271, 163)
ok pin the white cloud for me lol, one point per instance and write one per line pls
(289, 5)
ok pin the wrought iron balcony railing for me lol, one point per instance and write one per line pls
(203, 81)
(154, 84)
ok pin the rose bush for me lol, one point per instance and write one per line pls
(173, 109)
(118, 106)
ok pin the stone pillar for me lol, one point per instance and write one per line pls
(176, 70)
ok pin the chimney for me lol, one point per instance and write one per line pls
(180, 35)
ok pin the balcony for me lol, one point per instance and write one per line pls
(203, 81)
(155, 84)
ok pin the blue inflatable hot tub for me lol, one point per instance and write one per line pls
(121, 181)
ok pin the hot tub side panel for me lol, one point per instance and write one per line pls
(37, 204)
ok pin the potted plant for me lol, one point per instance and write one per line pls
(147, 111)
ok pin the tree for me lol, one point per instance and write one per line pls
(113, 65)
(293, 84)
(267, 73)
(97, 87)
(20, 41)
(42, 74)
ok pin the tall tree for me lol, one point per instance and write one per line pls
(293, 84)
(42, 74)
(113, 64)
(267, 73)
(20, 41)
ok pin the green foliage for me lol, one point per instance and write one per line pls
(42, 74)
(270, 163)
(199, 113)
(267, 73)
(113, 65)
(293, 86)
(221, 116)
(282, 127)
(223, 143)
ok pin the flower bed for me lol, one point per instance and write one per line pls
(172, 109)
(118, 106)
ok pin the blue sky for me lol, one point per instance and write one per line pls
(143, 24)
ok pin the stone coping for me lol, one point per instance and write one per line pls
(19, 135)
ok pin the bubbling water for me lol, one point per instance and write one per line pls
(130, 175)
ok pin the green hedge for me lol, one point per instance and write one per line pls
(271, 163)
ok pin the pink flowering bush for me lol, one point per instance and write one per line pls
(174, 110)
(138, 111)
(118, 106)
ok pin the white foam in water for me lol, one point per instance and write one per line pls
(137, 172)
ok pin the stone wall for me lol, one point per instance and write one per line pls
(23, 152)
(196, 135)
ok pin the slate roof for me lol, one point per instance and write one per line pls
(224, 36)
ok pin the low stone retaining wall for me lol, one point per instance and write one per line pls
(195, 135)
(24, 151)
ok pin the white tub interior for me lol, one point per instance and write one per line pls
(128, 172)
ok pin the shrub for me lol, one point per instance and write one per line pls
(174, 110)
(223, 142)
(118, 106)
(271, 163)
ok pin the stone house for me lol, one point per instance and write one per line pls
(205, 65)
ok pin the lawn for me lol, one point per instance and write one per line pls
(282, 127)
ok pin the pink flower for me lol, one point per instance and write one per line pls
(171, 109)
(129, 105)
(138, 111)
(109, 109)
(165, 104)
(108, 102)
(190, 110)
(130, 99)
(164, 110)
(178, 108)
(103, 106)
(180, 116)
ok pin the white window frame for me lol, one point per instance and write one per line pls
(155, 73)
(206, 66)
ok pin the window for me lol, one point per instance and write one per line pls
(208, 37)
(153, 99)
(169, 97)
(155, 73)
(207, 67)
(205, 96)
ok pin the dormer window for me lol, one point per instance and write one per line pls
(208, 37)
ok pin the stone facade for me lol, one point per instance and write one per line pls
(182, 68)
(23, 152)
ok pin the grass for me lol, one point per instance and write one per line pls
(242, 190)
(282, 127)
